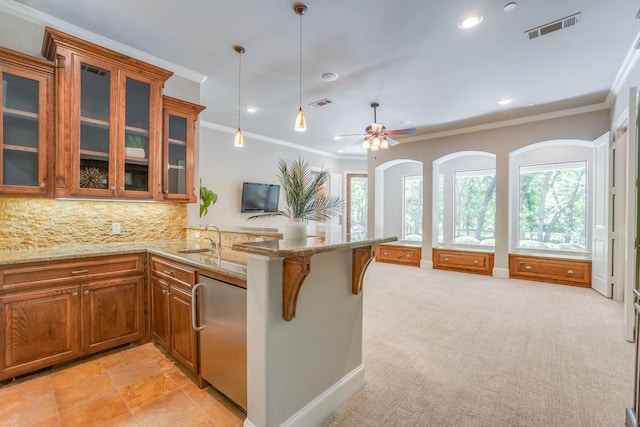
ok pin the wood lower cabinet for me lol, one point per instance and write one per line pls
(399, 254)
(171, 285)
(51, 312)
(112, 313)
(553, 270)
(464, 261)
(39, 329)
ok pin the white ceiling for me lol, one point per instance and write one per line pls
(408, 55)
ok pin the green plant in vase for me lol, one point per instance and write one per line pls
(304, 194)
(207, 198)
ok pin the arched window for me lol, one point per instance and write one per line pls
(465, 191)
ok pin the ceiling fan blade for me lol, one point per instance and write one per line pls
(351, 134)
(409, 131)
(392, 142)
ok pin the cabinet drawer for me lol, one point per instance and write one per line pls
(62, 272)
(553, 270)
(173, 272)
(466, 261)
(398, 254)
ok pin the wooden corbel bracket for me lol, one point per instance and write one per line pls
(296, 269)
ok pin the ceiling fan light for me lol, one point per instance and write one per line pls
(384, 144)
(366, 144)
(375, 147)
(376, 142)
(238, 141)
(301, 123)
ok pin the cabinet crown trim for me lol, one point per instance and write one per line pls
(54, 39)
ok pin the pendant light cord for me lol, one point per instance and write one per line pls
(239, 83)
(300, 68)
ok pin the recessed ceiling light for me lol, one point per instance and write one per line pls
(250, 109)
(405, 122)
(340, 151)
(337, 137)
(509, 6)
(505, 101)
(470, 22)
(329, 77)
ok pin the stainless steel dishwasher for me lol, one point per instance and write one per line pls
(222, 325)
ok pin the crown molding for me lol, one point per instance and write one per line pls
(270, 140)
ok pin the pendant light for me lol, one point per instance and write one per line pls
(301, 123)
(238, 141)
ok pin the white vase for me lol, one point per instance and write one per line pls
(295, 229)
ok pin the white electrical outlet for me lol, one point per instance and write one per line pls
(196, 234)
(115, 228)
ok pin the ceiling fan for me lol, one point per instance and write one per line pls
(376, 135)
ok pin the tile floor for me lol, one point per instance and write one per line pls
(130, 386)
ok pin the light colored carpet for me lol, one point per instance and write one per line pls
(452, 349)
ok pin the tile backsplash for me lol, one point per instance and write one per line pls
(38, 223)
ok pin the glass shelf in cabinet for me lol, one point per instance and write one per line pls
(93, 155)
(20, 114)
(11, 147)
(88, 121)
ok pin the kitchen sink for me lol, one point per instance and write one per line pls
(194, 251)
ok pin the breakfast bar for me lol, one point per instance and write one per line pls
(304, 327)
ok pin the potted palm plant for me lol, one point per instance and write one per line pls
(304, 196)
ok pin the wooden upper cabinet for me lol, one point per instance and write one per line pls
(26, 124)
(180, 119)
(109, 115)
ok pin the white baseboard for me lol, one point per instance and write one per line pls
(326, 403)
(501, 273)
(426, 263)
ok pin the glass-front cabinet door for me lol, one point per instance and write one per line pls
(115, 145)
(25, 127)
(179, 130)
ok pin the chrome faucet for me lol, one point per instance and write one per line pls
(215, 247)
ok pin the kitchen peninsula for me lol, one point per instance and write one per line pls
(304, 328)
(304, 312)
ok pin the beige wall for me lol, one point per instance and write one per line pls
(38, 223)
(499, 141)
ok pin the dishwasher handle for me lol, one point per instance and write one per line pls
(194, 307)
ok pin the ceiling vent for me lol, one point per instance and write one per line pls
(560, 24)
(321, 102)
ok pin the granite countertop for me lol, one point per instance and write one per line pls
(243, 230)
(170, 249)
(304, 247)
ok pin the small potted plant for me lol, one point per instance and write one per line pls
(134, 146)
(305, 198)
(207, 198)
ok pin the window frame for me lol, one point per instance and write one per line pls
(537, 156)
(404, 206)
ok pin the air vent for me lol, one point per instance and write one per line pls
(560, 24)
(321, 102)
(93, 70)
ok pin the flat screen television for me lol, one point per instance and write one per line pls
(260, 197)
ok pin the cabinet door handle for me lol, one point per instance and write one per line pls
(43, 185)
(75, 294)
(528, 267)
(476, 262)
(121, 188)
(168, 271)
(570, 272)
(86, 292)
(446, 260)
(80, 271)
(408, 255)
(384, 253)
